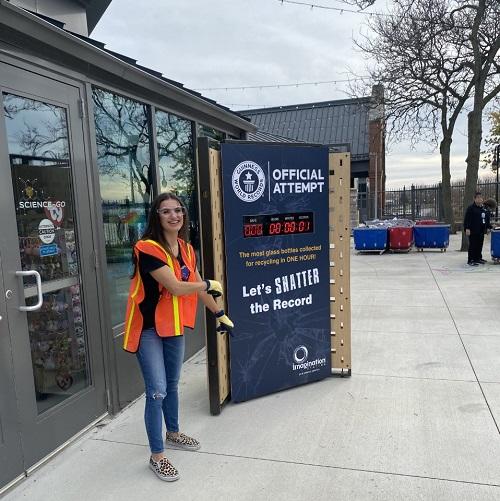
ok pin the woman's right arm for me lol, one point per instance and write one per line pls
(166, 277)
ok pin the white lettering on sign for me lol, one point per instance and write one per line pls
(281, 304)
(282, 285)
(44, 204)
(292, 181)
(301, 362)
(298, 174)
(256, 291)
(297, 280)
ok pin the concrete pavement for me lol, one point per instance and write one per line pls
(418, 419)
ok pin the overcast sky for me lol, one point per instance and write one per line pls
(218, 43)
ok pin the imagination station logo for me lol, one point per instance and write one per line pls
(301, 362)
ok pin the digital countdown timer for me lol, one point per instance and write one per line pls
(268, 225)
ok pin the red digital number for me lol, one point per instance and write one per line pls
(253, 230)
(304, 226)
(274, 228)
(288, 227)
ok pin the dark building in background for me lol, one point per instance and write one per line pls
(354, 125)
(87, 138)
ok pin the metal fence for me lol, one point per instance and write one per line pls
(426, 202)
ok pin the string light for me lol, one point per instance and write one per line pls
(327, 7)
(278, 86)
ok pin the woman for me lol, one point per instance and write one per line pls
(162, 302)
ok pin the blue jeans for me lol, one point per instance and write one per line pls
(160, 359)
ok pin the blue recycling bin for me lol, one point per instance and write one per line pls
(435, 236)
(370, 239)
(495, 245)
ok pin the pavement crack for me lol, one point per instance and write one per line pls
(463, 345)
(316, 465)
(417, 377)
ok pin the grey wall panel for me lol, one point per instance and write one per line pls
(25, 4)
(195, 339)
(128, 375)
(71, 13)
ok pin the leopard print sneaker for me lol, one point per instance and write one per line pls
(182, 441)
(164, 469)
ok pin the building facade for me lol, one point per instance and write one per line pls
(87, 138)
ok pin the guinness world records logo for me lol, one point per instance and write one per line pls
(248, 181)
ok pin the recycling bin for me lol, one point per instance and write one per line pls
(433, 236)
(426, 222)
(495, 245)
(400, 238)
(370, 239)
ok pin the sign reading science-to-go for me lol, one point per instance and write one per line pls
(277, 265)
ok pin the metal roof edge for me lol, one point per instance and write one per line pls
(41, 30)
(304, 106)
(272, 143)
(263, 136)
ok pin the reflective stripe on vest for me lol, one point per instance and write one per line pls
(133, 307)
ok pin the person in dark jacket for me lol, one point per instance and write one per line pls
(490, 205)
(476, 225)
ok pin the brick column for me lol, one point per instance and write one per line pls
(376, 148)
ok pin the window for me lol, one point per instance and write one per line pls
(204, 131)
(125, 177)
(177, 170)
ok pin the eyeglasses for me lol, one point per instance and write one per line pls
(178, 211)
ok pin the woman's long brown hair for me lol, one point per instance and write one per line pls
(154, 230)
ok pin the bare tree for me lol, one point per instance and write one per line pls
(362, 4)
(122, 136)
(425, 75)
(493, 140)
(175, 153)
(472, 28)
(47, 136)
(123, 145)
(480, 20)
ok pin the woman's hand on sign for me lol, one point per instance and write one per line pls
(205, 297)
(214, 288)
(225, 324)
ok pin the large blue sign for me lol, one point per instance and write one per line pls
(277, 265)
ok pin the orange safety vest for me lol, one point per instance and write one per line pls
(172, 313)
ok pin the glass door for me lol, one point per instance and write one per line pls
(48, 263)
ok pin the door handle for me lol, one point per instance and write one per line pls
(38, 279)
